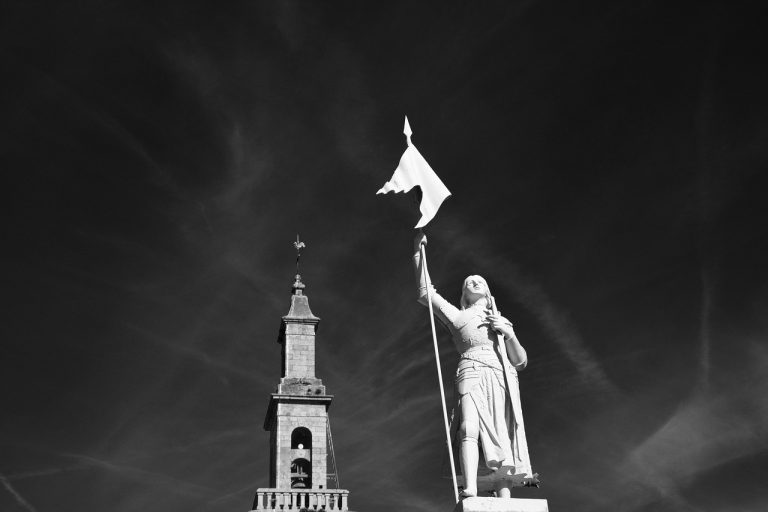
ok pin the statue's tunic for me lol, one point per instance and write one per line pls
(480, 378)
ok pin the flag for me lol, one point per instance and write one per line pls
(414, 170)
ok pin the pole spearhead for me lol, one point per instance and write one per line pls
(407, 130)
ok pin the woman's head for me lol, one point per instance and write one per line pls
(475, 288)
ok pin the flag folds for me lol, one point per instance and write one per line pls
(414, 170)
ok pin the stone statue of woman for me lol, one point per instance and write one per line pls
(486, 383)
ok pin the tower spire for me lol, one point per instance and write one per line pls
(302, 463)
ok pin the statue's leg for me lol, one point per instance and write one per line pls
(469, 455)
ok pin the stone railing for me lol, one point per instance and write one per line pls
(297, 499)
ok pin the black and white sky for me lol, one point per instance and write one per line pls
(607, 162)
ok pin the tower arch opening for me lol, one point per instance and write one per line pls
(301, 439)
(301, 474)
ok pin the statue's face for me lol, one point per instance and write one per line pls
(475, 288)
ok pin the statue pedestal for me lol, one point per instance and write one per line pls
(501, 505)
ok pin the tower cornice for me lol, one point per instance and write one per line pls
(280, 398)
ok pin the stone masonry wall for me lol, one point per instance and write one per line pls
(314, 417)
(299, 350)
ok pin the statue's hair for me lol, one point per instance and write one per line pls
(464, 302)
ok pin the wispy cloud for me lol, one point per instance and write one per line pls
(704, 433)
(18, 497)
(554, 319)
(145, 477)
(188, 350)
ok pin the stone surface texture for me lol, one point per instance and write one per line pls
(501, 505)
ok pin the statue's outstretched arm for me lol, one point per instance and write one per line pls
(421, 273)
(444, 310)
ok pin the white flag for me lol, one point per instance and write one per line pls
(414, 170)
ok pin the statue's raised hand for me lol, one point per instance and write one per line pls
(419, 240)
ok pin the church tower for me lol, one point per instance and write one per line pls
(297, 420)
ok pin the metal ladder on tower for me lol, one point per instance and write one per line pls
(332, 456)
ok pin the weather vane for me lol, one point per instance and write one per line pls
(299, 245)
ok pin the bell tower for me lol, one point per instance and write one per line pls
(297, 420)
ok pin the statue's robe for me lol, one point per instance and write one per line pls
(480, 377)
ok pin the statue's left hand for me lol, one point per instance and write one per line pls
(501, 324)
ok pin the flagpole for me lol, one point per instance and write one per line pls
(439, 371)
(413, 170)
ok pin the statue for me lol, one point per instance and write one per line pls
(489, 409)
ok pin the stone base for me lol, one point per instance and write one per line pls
(501, 505)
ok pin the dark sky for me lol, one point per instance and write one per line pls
(606, 160)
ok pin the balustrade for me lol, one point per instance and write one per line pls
(297, 499)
